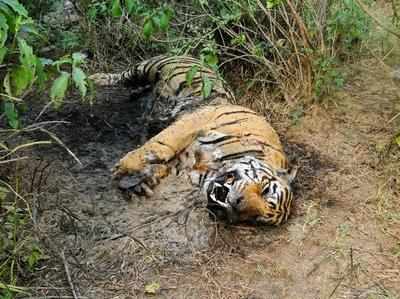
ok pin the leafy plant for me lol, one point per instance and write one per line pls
(347, 24)
(24, 69)
(18, 251)
(154, 19)
(337, 30)
(327, 76)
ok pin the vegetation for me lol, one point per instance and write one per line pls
(293, 48)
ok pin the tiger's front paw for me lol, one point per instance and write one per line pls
(141, 182)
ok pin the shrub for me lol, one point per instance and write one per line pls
(291, 47)
(23, 69)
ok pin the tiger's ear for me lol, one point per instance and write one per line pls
(288, 175)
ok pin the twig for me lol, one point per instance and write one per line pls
(14, 160)
(71, 284)
(123, 235)
(52, 135)
(24, 146)
(10, 97)
(302, 27)
(337, 285)
(43, 110)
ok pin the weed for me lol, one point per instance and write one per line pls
(347, 26)
(327, 76)
(296, 114)
(19, 252)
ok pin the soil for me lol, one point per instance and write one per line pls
(342, 240)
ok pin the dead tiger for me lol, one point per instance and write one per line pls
(232, 154)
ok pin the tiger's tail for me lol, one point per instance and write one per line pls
(140, 74)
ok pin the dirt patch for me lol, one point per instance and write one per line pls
(341, 241)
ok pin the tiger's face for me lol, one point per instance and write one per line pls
(252, 191)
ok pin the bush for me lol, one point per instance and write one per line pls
(291, 47)
(23, 70)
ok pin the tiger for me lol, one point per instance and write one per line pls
(231, 154)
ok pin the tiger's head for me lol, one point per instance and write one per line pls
(251, 191)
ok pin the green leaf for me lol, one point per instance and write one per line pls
(7, 84)
(12, 114)
(209, 56)
(78, 59)
(152, 288)
(3, 52)
(239, 40)
(21, 77)
(165, 18)
(26, 56)
(63, 60)
(58, 89)
(190, 74)
(80, 81)
(29, 27)
(34, 257)
(24, 25)
(207, 87)
(3, 30)
(116, 10)
(16, 7)
(148, 28)
(272, 3)
(397, 140)
(131, 6)
(40, 73)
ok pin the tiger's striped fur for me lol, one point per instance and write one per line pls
(167, 75)
(232, 154)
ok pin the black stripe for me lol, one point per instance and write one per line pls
(229, 142)
(148, 65)
(183, 84)
(234, 122)
(253, 169)
(262, 142)
(195, 82)
(270, 173)
(236, 112)
(166, 145)
(200, 179)
(204, 177)
(175, 59)
(240, 155)
(217, 140)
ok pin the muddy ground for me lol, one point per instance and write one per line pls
(342, 241)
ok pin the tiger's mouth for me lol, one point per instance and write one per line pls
(217, 202)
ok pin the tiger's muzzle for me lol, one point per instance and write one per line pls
(218, 203)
